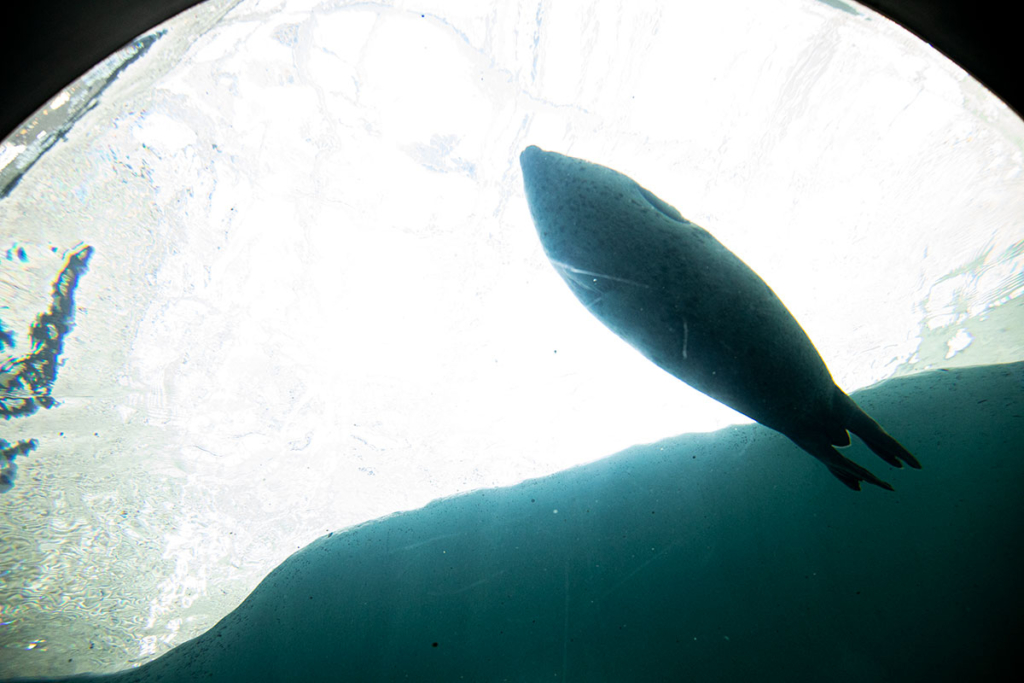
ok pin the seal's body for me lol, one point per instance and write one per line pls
(671, 290)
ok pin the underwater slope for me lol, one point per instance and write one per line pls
(725, 556)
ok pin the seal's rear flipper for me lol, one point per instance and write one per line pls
(846, 471)
(850, 481)
(876, 438)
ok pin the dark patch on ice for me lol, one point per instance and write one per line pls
(840, 5)
(26, 382)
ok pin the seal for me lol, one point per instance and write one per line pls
(677, 295)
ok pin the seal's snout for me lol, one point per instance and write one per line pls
(530, 160)
(536, 164)
(531, 152)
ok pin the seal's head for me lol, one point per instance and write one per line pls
(589, 216)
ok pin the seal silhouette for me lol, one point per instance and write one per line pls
(691, 306)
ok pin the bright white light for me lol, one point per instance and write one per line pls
(9, 152)
(60, 100)
(959, 342)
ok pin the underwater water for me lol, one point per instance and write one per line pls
(292, 392)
